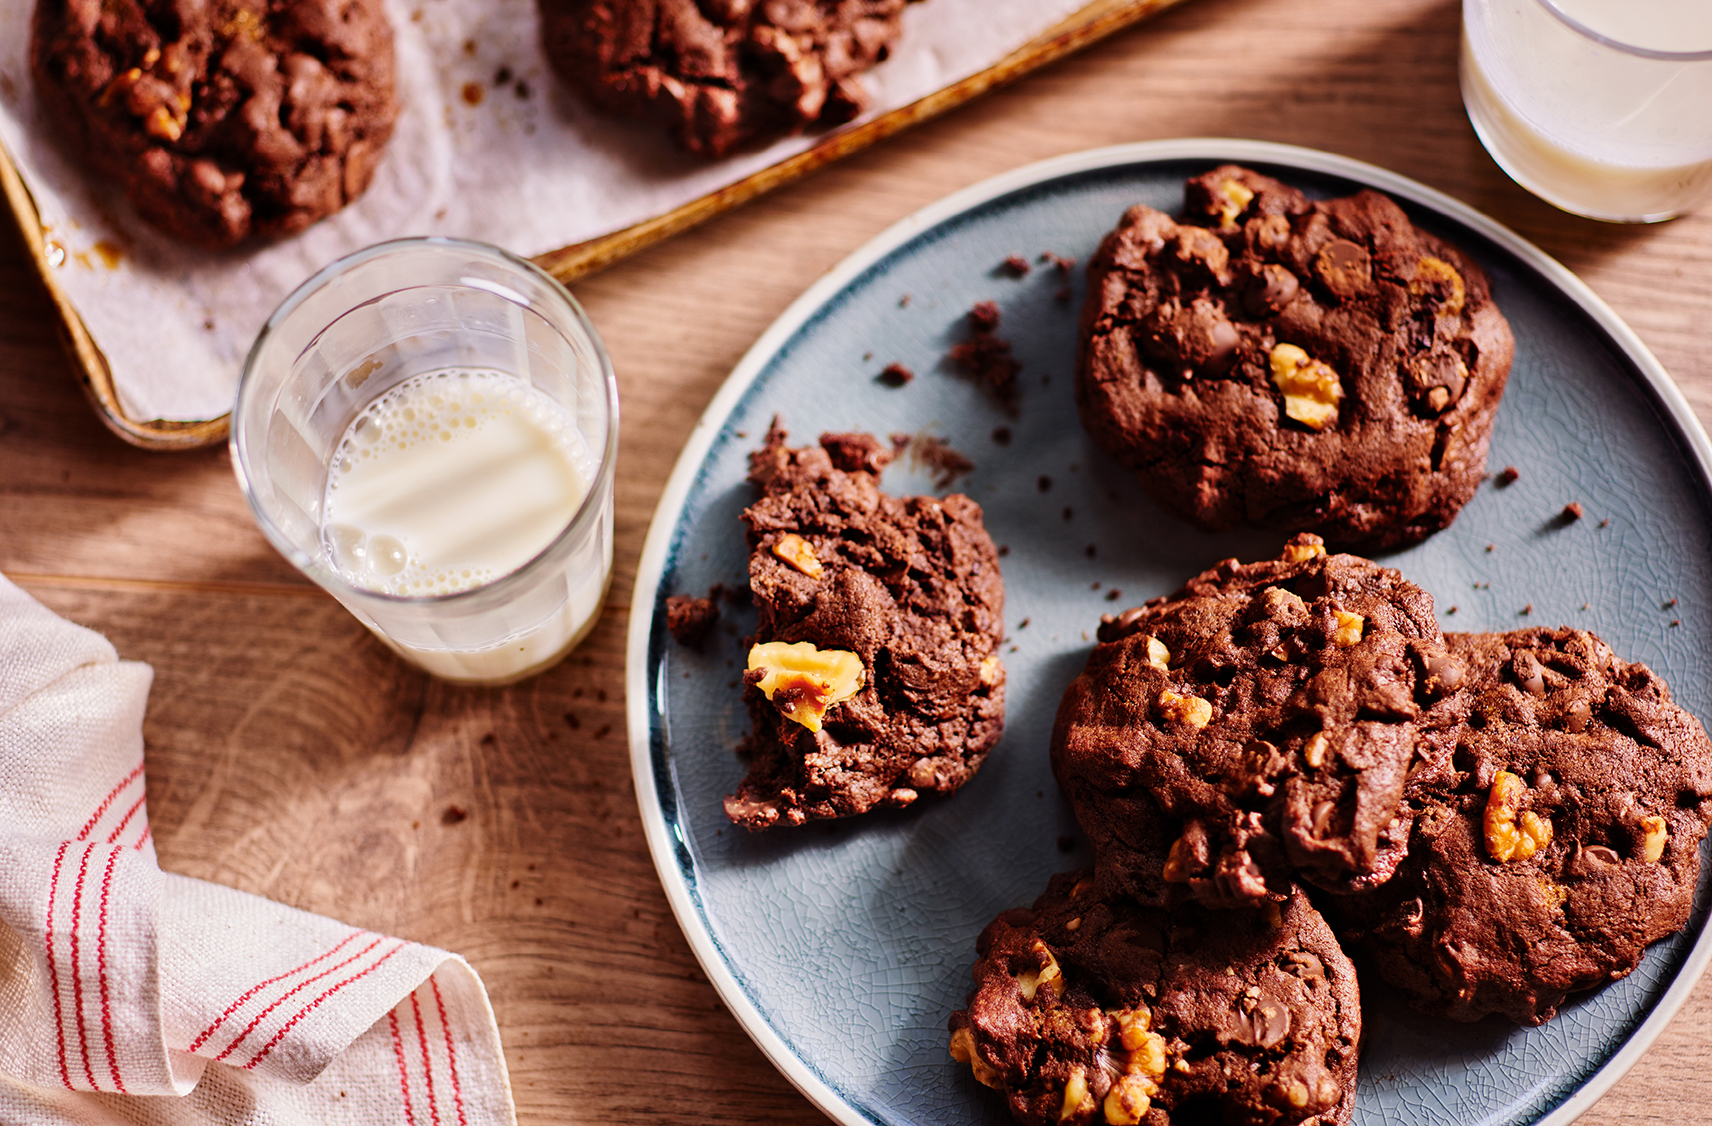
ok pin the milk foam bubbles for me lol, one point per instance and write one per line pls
(450, 480)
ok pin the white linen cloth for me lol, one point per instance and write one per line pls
(120, 983)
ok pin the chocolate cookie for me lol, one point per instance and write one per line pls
(1324, 366)
(225, 120)
(1275, 712)
(1089, 1009)
(1566, 839)
(719, 73)
(874, 676)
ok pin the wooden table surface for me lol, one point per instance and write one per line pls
(290, 755)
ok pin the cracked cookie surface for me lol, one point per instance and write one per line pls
(1090, 1008)
(1322, 366)
(899, 601)
(221, 121)
(1276, 712)
(1564, 839)
(720, 73)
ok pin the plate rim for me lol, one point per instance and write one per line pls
(662, 842)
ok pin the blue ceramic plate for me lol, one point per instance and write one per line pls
(843, 947)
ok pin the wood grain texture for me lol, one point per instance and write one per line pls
(291, 755)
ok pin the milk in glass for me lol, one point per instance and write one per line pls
(1589, 126)
(448, 481)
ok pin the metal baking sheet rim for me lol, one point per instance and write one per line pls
(665, 847)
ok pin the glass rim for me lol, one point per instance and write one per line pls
(313, 565)
(1575, 25)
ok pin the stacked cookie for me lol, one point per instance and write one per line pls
(1495, 820)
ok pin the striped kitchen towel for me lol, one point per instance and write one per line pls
(118, 980)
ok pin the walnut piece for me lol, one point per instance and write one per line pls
(1434, 273)
(1231, 196)
(1158, 655)
(803, 682)
(1513, 833)
(1303, 548)
(1349, 627)
(963, 1051)
(1077, 1097)
(1652, 845)
(1311, 389)
(799, 553)
(1191, 710)
(1048, 977)
(990, 668)
(1177, 861)
(1315, 749)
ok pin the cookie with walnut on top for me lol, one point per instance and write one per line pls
(874, 676)
(1319, 366)
(1564, 842)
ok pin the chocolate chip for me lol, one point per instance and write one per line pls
(1602, 854)
(1577, 716)
(1345, 267)
(1528, 673)
(1270, 290)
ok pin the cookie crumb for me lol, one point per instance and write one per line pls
(1069, 512)
(903, 302)
(1113, 594)
(1527, 610)
(985, 357)
(1002, 435)
(1452, 610)
(1004, 550)
(1090, 551)
(1572, 512)
(1508, 476)
(1045, 483)
(1063, 295)
(1668, 605)
(1605, 523)
(453, 815)
(689, 619)
(1060, 263)
(896, 375)
(936, 454)
(1490, 548)
(1674, 622)
(1023, 624)
(1016, 266)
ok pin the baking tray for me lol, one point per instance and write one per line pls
(1089, 25)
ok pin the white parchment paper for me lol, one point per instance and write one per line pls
(522, 164)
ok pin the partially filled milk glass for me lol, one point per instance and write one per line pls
(1597, 106)
(427, 429)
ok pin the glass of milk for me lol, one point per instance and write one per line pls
(427, 429)
(1602, 107)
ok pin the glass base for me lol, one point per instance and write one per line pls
(1568, 181)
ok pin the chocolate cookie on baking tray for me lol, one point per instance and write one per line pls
(224, 120)
(719, 73)
(1320, 366)
(1276, 712)
(1566, 840)
(1093, 1009)
(874, 674)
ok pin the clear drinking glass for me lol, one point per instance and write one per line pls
(396, 312)
(1598, 106)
